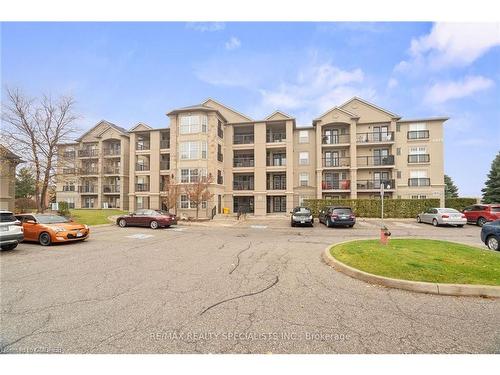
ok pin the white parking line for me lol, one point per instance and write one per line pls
(178, 229)
(405, 225)
(140, 236)
(366, 224)
(258, 226)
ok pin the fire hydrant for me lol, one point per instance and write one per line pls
(384, 235)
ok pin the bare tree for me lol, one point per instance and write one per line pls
(173, 191)
(197, 192)
(33, 129)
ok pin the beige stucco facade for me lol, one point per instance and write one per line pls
(269, 165)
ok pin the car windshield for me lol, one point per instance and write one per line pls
(495, 209)
(51, 219)
(448, 211)
(6, 217)
(161, 212)
(342, 211)
(302, 210)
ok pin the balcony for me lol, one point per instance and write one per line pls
(336, 162)
(419, 182)
(164, 165)
(142, 187)
(69, 170)
(111, 189)
(276, 185)
(112, 151)
(88, 153)
(69, 154)
(375, 184)
(87, 189)
(220, 132)
(329, 139)
(243, 185)
(418, 134)
(165, 143)
(336, 184)
(142, 146)
(419, 158)
(142, 167)
(276, 161)
(375, 137)
(375, 161)
(111, 170)
(275, 137)
(241, 162)
(89, 171)
(242, 139)
(67, 188)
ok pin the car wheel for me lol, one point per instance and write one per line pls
(153, 225)
(481, 221)
(492, 242)
(329, 222)
(122, 223)
(292, 224)
(418, 219)
(460, 225)
(44, 239)
(8, 247)
(435, 222)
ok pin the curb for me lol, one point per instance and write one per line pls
(414, 286)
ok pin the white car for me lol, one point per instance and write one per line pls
(11, 231)
(442, 216)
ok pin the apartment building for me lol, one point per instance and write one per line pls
(261, 166)
(8, 165)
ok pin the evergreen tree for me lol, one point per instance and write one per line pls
(491, 190)
(25, 183)
(450, 189)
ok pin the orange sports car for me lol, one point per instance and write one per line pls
(49, 228)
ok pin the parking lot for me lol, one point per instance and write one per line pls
(257, 286)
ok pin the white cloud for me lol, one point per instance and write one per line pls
(233, 43)
(392, 83)
(206, 26)
(444, 91)
(452, 44)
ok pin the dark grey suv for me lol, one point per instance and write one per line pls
(337, 216)
(302, 216)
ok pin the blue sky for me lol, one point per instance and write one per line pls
(131, 72)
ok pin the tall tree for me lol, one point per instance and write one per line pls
(197, 192)
(491, 190)
(33, 129)
(173, 191)
(25, 183)
(450, 189)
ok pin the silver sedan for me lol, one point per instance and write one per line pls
(442, 216)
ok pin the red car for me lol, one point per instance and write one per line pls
(482, 213)
(147, 218)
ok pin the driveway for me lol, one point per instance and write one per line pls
(255, 287)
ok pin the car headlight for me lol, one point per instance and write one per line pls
(85, 226)
(294, 217)
(58, 229)
(310, 217)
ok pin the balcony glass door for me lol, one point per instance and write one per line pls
(380, 155)
(331, 159)
(380, 133)
(331, 136)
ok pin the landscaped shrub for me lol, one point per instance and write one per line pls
(396, 208)
(459, 203)
(24, 205)
(63, 209)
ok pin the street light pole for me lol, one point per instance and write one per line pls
(382, 197)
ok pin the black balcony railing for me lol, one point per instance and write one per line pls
(86, 189)
(375, 184)
(419, 182)
(111, 170)
(220, 133)
(336, 162)
(220, 157)
(275, 137)
(88, 153)
(112, 151)
(69, 154)
(240, 139)
(165, 143)
(276, 162)
(419, 158)
(69, 171)
(220, 180)
(142, 187)
(276, 185)
(418, 134)
(336, 184)
(364, 161)
(164, 165)
(140, 146)
(334, 139)
(68, 188)
(243, 185)
(243, 161)
(111, 189)
(142, 167)
(85, 171)
(375, 137)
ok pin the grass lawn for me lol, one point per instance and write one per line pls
(94, 217)
(422, 260)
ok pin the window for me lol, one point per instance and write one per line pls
(304, 158)
(184, 201)
(398, 127)
(193, 124)
(139, 202)
(191, 175)
(419, 196)
(220, 180)
(304, 179)
(220, 130)
(398, 174)
(418, 150)
(191, 150)
(70, 202)
(304, 136)
(398, 151)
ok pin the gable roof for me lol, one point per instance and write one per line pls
(228, 108)
(345, 111)
(139, 125)
(278, 112)
(5, 153)
(393, 115)
(196, 107)
(109, 124)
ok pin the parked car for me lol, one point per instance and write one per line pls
(442, 216)
(11, 231)
(147, 218)
(302, 216)
(480, 214)
(50, 228)
(490, 235)
(337, 216)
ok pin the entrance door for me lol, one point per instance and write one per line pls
(331, 159)
(380, 133)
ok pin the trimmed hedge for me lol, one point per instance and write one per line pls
(459, 203)
(394, 208)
